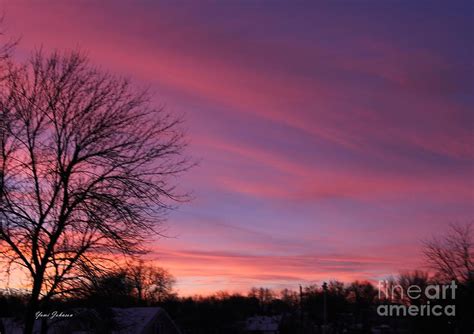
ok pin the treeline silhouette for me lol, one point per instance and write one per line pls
(333, 307)
(350, 308)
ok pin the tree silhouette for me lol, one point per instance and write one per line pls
(108, 290)
(452, 255)
(85, 172)
(151, 283)
(138, 284)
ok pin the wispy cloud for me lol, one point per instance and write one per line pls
(325, 134)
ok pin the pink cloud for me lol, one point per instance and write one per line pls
(376, 127)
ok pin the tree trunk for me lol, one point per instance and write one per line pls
(32, 308)
(44, 326)
(30, 317)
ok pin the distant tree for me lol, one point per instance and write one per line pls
(289, 297)
(151, 283)
(109, 289)
(86, 169)
(336, 301)
(405, 280)
(221, 295)
(263, 295)
(336, 288)
(452, 256)
(362, 293)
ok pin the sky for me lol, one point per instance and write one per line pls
(332, 137)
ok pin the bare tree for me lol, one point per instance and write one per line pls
(397, 287)
(151, 283)
(86, 171)
(263, 295)
(140, 283)
(452, 256)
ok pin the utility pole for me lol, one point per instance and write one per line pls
(325, 315)
(301, 309)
